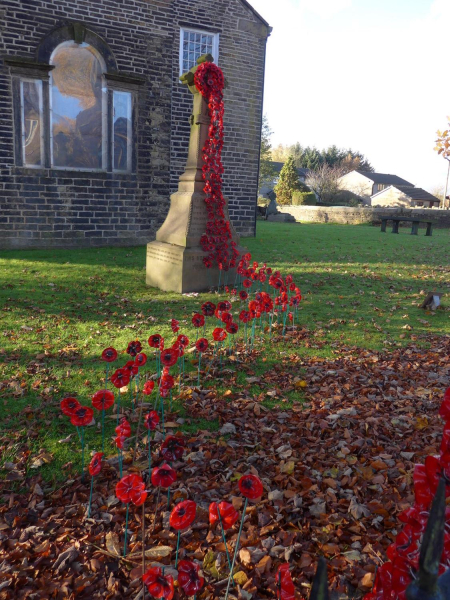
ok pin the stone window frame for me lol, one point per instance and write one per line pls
(216, 43)
(39, 68)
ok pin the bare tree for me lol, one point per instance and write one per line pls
(443, 148)
(324, 182)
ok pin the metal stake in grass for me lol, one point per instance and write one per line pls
(119, 451)
(90, 496)
(103, 429)
(82, 453)
(199, 363)
(162, 414)
(224, 538)
(118, 406)
(149, 443)
(284, 321)
(137, 391)
(143, 547)
(236, 550)
(126, 530)
(178, 548)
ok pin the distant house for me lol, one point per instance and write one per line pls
(268, 186)
(404, 196)
(365, 184)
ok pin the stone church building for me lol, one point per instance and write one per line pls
(94, 123)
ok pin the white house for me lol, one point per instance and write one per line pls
(365, 184)
(402, 196)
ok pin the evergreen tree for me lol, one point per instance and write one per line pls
(312, 159)
(288, 182)
(267, 171)
(296, 150)
(332, 156)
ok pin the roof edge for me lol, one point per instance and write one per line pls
(403, 189)
(385, 190)
(255, 12)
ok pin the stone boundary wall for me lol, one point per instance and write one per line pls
(356, 216)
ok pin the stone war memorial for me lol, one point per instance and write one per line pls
(178, 260)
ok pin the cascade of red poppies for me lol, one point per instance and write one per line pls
(217, 240)
(395, 575)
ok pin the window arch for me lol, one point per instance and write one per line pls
(75, 110)
(78, 107)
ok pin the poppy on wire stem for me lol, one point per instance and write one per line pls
(182, 517)
(109, 355)
(82, 416)
(202, 346)
(68, 407)
(285, 585)
(150, 422)
(158, 584)
(130, 488)
(95, 466)
(102, 400)
(146, 390)
(189, 578)
(251, 488)
(227, 515)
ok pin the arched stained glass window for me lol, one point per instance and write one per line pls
(78, 103)
(74, 110)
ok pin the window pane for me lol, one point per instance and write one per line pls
(122, 131)
(196, 44)
(31, 98)
(78, 102)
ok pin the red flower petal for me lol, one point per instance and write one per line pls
(228, 514)
(103, 399)
(251, 487)
(183, 515)
(95, 466)
(69, 406)
(189, 578)
(163, 476)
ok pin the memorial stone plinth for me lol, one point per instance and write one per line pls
(175, 258)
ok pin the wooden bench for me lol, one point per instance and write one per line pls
(414, 228)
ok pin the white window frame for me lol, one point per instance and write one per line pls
(215, 37)
(129, 131)
(22, 121)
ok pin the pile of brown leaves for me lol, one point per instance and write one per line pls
(337, 470)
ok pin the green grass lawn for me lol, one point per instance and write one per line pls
(60, 309)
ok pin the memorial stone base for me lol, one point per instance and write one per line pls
(173, 268)
(175, 258)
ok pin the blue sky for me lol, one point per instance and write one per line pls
(372, 75)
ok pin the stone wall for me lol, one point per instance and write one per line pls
(356, 216)
(242, 49)
(45, 207)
